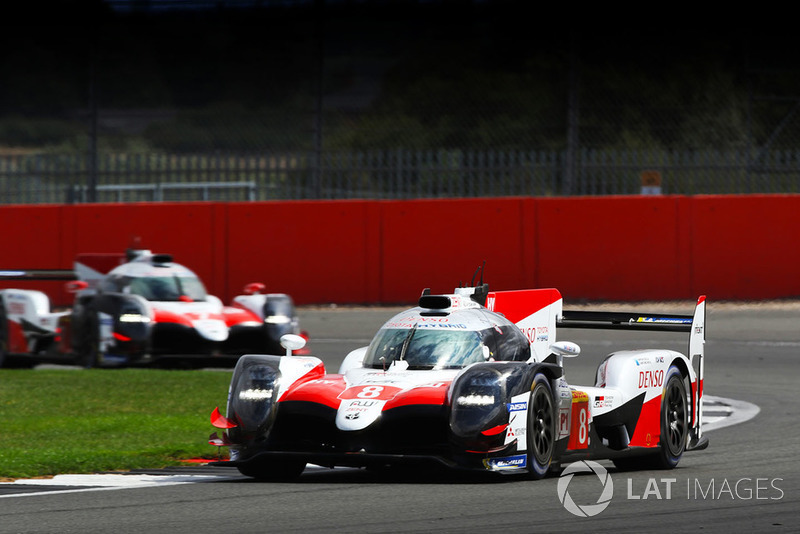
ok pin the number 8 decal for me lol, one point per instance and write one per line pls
(370, 392)
(579, 431)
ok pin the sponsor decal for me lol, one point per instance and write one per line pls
(420, 325)
(664, 320)
(651, 379)
(536, 333)
(563, 422)
(601, 374)
(517, 406)
(643, 361)
(603, 401)
(353, 415)
(579, 396)
(508, 462)
(15, 308)
(363, 403)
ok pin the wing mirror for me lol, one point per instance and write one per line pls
(566, 349)
(292, 342)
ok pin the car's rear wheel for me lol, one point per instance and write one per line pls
(541, 427)
(674, 420)
(674, 428)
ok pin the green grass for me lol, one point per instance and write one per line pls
(84, 421)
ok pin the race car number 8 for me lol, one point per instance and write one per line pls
(370, 392)
(583, 430)
(579, 433)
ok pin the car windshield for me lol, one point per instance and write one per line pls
(168, 288)
(424, 348)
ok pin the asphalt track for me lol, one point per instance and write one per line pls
(747, 480)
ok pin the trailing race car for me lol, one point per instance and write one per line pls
(470, 380)
(137, 308)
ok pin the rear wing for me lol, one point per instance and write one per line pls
(38, 274)
(626, 321)
(693, 324)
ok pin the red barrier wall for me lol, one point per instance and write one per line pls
(597, 248)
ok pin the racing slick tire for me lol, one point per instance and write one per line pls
(674, 428)
(273, 469)
(3, 332)
(89, 346)
(541, 432)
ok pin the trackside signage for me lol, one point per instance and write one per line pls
(586, 489)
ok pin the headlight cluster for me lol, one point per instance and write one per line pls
(277, 319)
(475, 400)
(133, 318)
(253, 395)
(478, 401)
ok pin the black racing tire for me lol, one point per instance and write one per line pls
(273, 469)
(3, 332)
(89, 345)
(674, 428)
(541, 431)
(674, 420)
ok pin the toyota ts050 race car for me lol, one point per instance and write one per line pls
(134, 308)
(470, 380)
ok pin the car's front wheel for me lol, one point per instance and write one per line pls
(89, 345)
(3, 332)
(541, 427)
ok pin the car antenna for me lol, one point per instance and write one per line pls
(479, 269)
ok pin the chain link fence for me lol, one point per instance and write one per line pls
(120, 101)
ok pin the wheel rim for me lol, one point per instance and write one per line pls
(542, 425)
(676, 418)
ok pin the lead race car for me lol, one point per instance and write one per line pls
(136, 308)
(470, 380)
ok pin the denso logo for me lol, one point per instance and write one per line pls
(538, 333)
(651, 379)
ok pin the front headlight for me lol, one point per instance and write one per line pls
(133, 318)
(277, 319)
(478, 401)
(253, 395)
(475, 400)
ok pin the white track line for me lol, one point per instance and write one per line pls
(740, 411)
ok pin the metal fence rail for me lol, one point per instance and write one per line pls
(389, 174)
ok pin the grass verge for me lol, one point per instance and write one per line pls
(85, 421)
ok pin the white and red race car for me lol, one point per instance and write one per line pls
(470, 380)
(134, 308)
